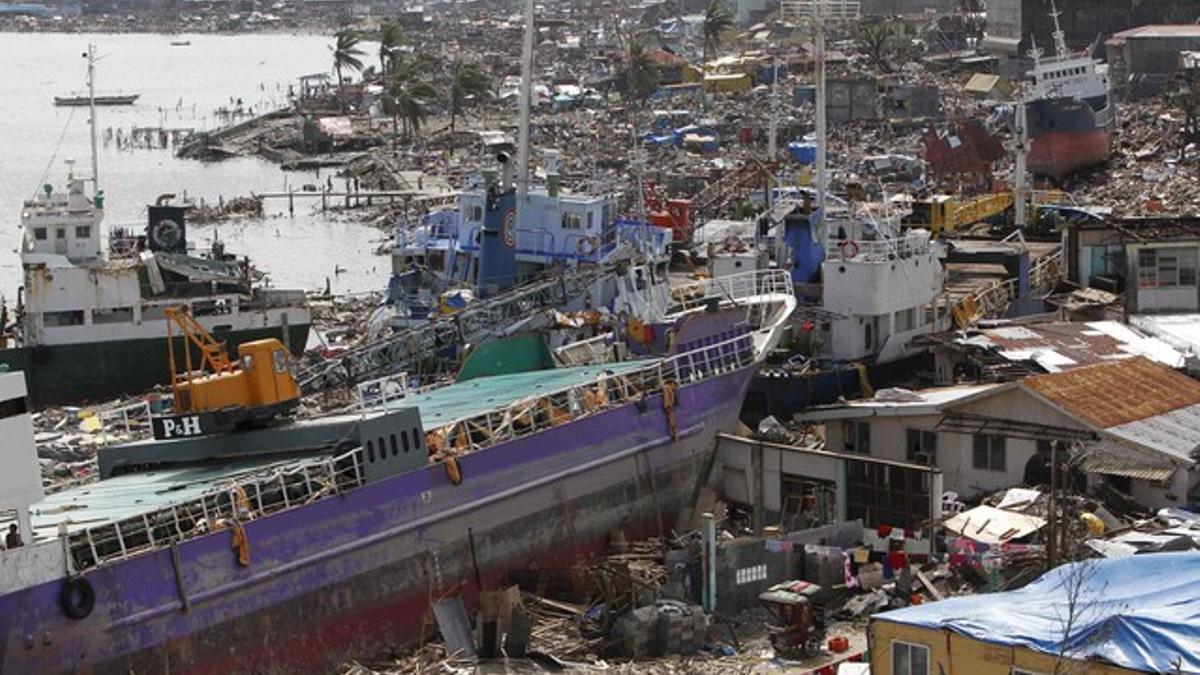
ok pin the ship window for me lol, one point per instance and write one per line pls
(404, 440)
(395, 447)
(371, 452)
(475, 213)
(83, 231)
(416, 438)
(67, 318)
(113, 315)
(590, 217)
(571, 221)
(39, 233)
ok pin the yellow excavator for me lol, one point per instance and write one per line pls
(944, 215)
(222, 395)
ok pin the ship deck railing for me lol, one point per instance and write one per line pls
(875, 251)
(236, 502)
(994, 300)
(296, 484)
(734, 287)
(551, 409)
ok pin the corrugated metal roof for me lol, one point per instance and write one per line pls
(1159, 31)
(1175, 433)
(1111, 394)
(1116, 466)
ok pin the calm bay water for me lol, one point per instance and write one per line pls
(180, 87)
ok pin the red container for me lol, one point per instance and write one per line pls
(838, 644)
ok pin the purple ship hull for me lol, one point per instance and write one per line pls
(355, 572)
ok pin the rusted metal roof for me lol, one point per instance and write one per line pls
(1061, 346)
(1111, 394)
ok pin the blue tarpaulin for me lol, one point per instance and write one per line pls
(1141, 612)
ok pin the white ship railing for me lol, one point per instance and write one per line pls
(875, 251)
(239, 501)
(382, 391)
(734, 287)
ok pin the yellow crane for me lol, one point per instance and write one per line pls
(945, 214)
(218, 394)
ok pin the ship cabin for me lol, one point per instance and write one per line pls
(879, 292)
(557, 229)
(61, 225)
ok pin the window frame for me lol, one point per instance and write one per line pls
(860, 445)
(911, 646)
(994, 446)
(927, 442)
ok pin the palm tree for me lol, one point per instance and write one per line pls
(346, 52)
(408, 100)
(391, 36)
(641, 78)
(718, 18)
(467, 81)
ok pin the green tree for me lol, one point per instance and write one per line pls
(718, 19)
(467, 83)
(391, 36)
(641, 77)
(346, 52)
(409, 99)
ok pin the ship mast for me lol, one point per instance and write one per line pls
(91, 82)
(526, 94)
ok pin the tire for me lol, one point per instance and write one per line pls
(77, 597)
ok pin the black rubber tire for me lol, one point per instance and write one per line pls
(77, 597)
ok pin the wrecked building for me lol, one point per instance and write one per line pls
(1142, 61)
(1013, 26)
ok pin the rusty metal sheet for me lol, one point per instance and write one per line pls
(1111, 394)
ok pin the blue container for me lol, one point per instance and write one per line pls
(803, 152)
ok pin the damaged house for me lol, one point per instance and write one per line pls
(1131, 425)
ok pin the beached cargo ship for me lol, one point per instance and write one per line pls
(91, 321)
(261, 564)
(1069, 112)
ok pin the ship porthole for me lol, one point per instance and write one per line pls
(77, 597)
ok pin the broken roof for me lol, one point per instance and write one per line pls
(1061, 346)
(1112, 394)
(921, 402)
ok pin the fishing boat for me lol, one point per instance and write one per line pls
(1068, 111)
(109, 99)
(220, 555)
(90, 320)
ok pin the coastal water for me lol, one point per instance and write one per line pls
(180, 87)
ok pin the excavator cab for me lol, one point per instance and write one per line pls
(224, 395)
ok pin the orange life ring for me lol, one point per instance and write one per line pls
(851, 246)
(586, 247)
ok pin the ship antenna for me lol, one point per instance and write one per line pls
(91, 81)
(1060, 39)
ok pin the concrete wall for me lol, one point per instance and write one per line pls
(954, 653)
(852, 100)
